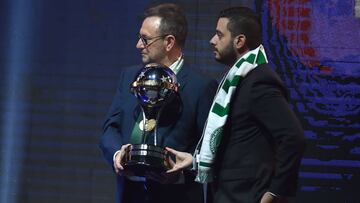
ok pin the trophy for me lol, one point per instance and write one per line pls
(154, 86)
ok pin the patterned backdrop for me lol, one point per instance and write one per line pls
(60, 61)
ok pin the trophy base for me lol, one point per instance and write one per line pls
(141, 159)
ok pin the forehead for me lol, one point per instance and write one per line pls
(150, 26)
(222, 24)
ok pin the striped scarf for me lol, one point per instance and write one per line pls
(219, 112)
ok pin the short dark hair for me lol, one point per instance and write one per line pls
(243, 20)
(173, 20)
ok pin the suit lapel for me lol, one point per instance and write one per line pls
(182, 77)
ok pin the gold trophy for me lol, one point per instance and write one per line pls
(154, 86)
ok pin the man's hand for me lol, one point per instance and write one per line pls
(119, 169)
(182, 160)
(268, 198)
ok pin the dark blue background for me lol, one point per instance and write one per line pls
(59, 63)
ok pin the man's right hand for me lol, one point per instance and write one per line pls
(119, 169)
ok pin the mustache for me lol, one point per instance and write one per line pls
(214, 48)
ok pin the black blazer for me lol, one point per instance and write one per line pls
(180, 127)
(262, 143)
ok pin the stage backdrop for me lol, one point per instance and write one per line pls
(59, 63)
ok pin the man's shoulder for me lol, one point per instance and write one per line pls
(264, 72)
(265, 76)
(131, 69)
(196, 74)
(129, 72)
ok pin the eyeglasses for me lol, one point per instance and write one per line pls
(147, 41)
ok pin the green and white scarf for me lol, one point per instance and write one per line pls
(218, 114)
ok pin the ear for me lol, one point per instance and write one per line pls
(239, 41)
(169, 42)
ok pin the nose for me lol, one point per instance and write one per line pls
(212, 40)
(140, 44)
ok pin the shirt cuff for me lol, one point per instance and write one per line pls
(272, 194)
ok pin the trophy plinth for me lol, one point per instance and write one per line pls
(143, 158)
(154, 86)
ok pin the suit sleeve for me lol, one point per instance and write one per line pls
(271, 110)
(111, 138)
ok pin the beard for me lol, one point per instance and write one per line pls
(145, 59)
(226, 56)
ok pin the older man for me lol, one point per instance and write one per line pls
(161, 39)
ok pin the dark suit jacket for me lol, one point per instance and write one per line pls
(263, 142)
(180, 127)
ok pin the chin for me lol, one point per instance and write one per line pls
(216, 56)
(218, 59)
(145, 60)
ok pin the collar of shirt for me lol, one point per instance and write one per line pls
(176, 66)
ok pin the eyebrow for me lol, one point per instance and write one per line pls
(142, 35)
(219, 32)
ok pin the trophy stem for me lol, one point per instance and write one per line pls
(155, 135)
(157, 119)
(143, 136)
(148, 115)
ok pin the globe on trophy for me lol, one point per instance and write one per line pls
(154, 86)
